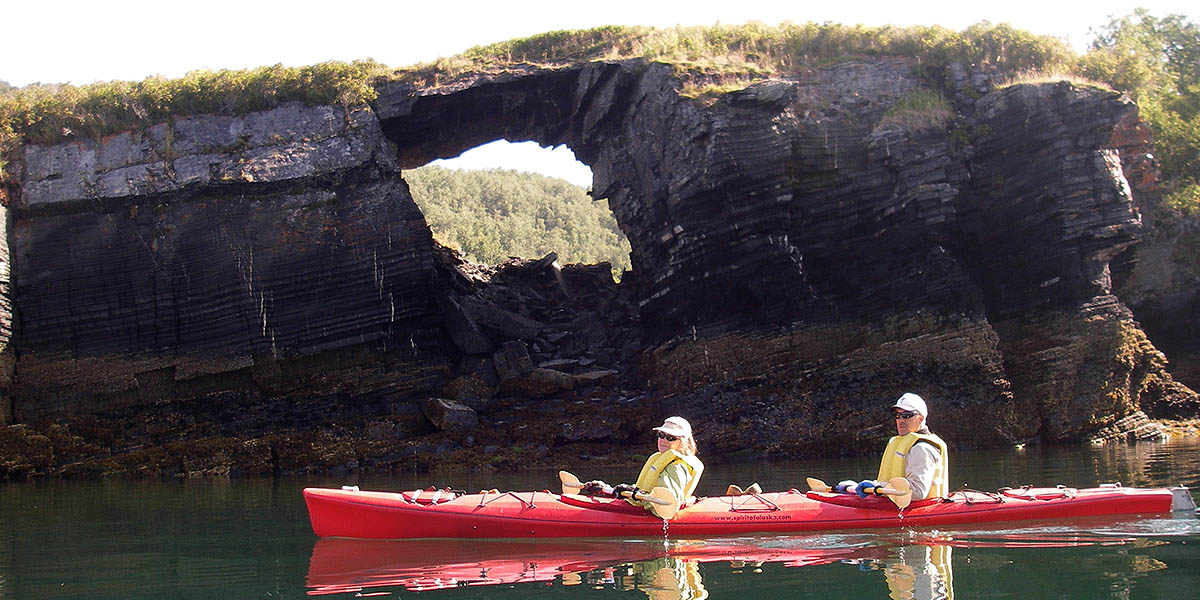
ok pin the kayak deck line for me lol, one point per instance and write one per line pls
(536, 514)
(765, 505)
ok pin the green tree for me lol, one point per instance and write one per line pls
(1157, 62)
(495, 214)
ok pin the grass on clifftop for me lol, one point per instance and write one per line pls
(709, 61)
(919, 109)
(1035, 77)
(715, 58)
(44, 114)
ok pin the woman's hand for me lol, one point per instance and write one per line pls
(595, 487)
(620, 490)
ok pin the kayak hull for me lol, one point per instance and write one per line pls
(351, 513)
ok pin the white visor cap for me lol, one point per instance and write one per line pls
(912, 402)
(676, 426)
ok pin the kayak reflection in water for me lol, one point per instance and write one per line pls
(675, 466)
(666, 578)
(914, 453)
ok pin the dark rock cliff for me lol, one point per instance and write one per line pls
(261, 294)
(1159, 278)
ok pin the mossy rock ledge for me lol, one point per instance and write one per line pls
(259, 294)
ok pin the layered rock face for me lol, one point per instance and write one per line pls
(214, 253)
(801, 256)
(1159, 278)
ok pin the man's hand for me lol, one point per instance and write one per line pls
(866, 487)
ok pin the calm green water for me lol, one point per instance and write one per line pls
(250, 539)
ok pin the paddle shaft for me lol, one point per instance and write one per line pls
(897, 493)
(663, 503)
(817, 485)
(882, 491)
(573, 482)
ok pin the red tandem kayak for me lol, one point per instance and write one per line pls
(446, 514)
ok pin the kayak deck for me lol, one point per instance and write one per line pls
(539, 514)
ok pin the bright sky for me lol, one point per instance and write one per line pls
(82, 41)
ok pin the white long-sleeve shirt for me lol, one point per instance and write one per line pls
(920, 467)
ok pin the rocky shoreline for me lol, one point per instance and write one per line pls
(557, 435)
(497, 415)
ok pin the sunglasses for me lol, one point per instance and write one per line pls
(664, 436)
(908, 414)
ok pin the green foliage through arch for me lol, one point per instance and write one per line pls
(495, 214)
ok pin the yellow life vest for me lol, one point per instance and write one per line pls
(895, 457)
(659, 461)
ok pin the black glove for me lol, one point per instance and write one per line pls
(594, 488)
(620, 489)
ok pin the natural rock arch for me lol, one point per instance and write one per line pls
(790, 224)
(794, 251)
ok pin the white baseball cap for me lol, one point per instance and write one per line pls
(676, 426)
(912, 402)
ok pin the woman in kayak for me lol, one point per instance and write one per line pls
(914, 453)
(675, 466)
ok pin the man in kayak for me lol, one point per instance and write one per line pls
(675, 466)
(914, 453)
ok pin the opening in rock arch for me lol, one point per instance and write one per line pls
(557, 162)
(504, 199)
